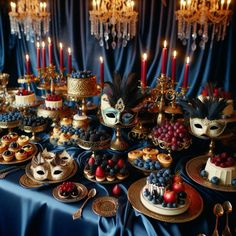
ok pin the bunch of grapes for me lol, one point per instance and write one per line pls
(175, 135)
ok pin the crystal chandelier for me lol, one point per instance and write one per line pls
(206, 19)
(113, 20)
(30, 17)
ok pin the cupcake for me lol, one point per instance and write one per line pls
(21, 155)
(23, 140)
(8, 155)
(133, 155)
(29, 148)
(14, 146)
(164, 159)
(3, 147)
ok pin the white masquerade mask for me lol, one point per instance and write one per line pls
(208, 128)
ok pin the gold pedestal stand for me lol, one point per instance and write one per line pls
(9, 125)
(34, 130)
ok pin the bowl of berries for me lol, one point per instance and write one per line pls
(10, 119)
(94, 139)
(171, 136)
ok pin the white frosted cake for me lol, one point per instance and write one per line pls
(53, 101)
(220, 169)
(165, 194)
(24, 98)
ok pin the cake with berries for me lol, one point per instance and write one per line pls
(53, 101)
(220, 169)
(165, 194)
(24, 98)
(68, 190)
(82, 84)
(106, 168)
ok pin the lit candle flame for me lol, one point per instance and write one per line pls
(101, 59)
(145, 56)
(13, 5)
(43, 44)
(69, 51)
(44, 5)
(60, 45)
(49, 40)
(27, 57)
(188, 60)
(165, 44)
(38, 44)
(174, 53)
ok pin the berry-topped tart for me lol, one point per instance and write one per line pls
(165, 194)
(220, 169)
(94, 139)
(173, 136)
(106, 168)
(24, 98)
(70, 192)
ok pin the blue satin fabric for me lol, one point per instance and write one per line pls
(27, 212)
(70, 24)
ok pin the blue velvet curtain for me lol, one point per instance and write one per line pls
(70, 24)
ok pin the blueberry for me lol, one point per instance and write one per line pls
(164, 204)
(181, 202)
(203, 173)
(157, 166)
(169, 205)
(161, 180)
(174, 205)
(215, 180)
(182, 194)
(146, 166)
(140, 164)
(154, 180)
(234, 182)
(154, 201)
(136, 162)
(146, 193)
(168, 171)
(152, 167)
(150, 197)
(148, 160)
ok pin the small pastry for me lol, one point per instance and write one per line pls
(57, 130)
(150, 153)
(110, 178)
(86, 169)
(121, 176)
(80, 121)
(14, 146)
(64, 138)
(23, 140)
(13, 135)
(66, 121)
(100, 174)
(29, 148)
(8, 155)
(3, 147)
(21, 155)
(133, 155)
(6, 139)
(90, 175)
(164, 159)
(68, 190)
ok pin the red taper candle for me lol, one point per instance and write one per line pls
(43, 55)
(69, 61)
(27, 63)
(102, 72)
(38, 55)
(164, 58)
(173, 67)
(50, 50)
(61, 57)
(186, 71)
(144, 71)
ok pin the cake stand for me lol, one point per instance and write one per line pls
(34, 130)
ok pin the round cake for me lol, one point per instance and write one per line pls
(82, 84)
(165, 194)
(53, 101)
(220, 169)
(24, 98)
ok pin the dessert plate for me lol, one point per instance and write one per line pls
(193, 168)
(30, 175)
(105, 206)
(26, 182)
(14, 161)
(195, 207)
(82, 190)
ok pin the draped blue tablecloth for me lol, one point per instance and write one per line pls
(32, 212)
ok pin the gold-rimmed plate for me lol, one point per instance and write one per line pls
(26, 182)
(193, 168)
(82, 190)
(14, 161)
(105, 206)
(29, 174)
(194, 210)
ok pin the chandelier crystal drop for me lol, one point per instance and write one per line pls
(203, 19)
(113, 21)
(30, 17)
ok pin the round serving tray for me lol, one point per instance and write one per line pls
(195, 208)
(193, 168)
(83, 191)
(30, 175)
(14, 161)
(105, 206)
(88, 145)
